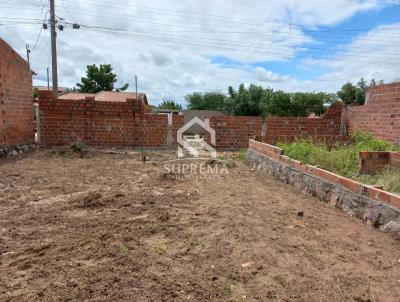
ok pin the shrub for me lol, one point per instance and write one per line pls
(344, 159)
(242, 155)
(79, 147)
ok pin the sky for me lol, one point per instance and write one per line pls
(179, 47)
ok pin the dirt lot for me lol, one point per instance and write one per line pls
(108, 227)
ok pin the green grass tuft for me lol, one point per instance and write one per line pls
(344, 159)
(242, 155)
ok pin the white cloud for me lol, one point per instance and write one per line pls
(171, 51)
(267, 76)
(375, 54)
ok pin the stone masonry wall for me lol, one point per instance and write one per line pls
(374, 206)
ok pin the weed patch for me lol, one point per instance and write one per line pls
(344, 159)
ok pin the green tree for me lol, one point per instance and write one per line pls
(212, 100)
(372, 83)
(246, 101)
(169, 104)
(306, 103)
(278, 103)
(98, 79)
(355, 94)
(259, 101)
(348, 93)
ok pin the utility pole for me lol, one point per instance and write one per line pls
(53, 48)
(48, 79)
(28, 51)
(136, 85)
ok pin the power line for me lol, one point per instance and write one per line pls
(229, 19)
(41, 29)
(379, 3)
(199, 43)
(250, 30)
(276, 24)
(238, 43)
(300, 48)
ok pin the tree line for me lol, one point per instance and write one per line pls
(258, 101)
(253, 100)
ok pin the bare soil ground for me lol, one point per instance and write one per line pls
(108, 227)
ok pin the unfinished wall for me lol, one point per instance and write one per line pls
(374, 206)
(126, 124)
(101, 123)
(16, 102)
(381, 114)
(372, 162)
(235, 131)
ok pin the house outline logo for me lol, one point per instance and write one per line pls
(183, 143)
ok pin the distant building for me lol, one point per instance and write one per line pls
(105, 96)
(60, 89)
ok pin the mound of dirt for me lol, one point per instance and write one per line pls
(91, 201)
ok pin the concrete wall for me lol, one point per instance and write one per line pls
(16, 102)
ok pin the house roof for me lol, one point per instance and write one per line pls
(60, 89)
(75, 96)
(105, 96)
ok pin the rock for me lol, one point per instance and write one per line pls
(157, 193)
(3, 153)
(335, 199)
(14, 153)
(371, 217)
(247, 264)
(392, 227)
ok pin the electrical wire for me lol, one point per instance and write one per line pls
(41, 29)
(277, 25)
(199, 43)
(261, 45)
(230, 19)
(164, 25)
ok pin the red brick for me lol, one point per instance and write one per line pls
(16, 102)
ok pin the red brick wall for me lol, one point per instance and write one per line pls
(380, 116)
(394, 159)
(64, 122)
(126, 124)
(16, 103)
(277, 154)
(371, 162)
(235, 131)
